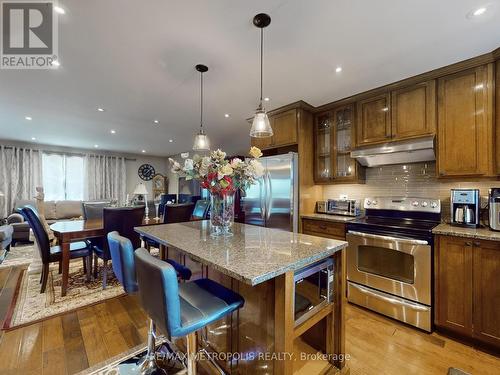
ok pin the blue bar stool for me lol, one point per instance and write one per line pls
(181, 309)
(123, 262)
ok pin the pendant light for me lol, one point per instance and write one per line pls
(201, 141)
(261, 127)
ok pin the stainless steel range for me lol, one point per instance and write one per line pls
(389, 258)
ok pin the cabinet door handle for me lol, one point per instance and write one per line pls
(468, 243)
(477, 243)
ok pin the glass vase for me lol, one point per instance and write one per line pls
(221, 214)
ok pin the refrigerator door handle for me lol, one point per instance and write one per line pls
(262, 206)
(269, 196)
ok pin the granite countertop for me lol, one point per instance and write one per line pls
(326, 217)
(478, 233)
(252, 255)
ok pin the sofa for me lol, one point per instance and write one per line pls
(54, 211)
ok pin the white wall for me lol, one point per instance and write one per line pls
(132, 163)
(160, 165)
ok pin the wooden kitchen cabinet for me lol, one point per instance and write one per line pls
(497, 110)
(324, 228)
(413, 111)
(284, 126)
(453, 267)
(467, 288)
(373, 120)
(486, 291)
(465, 123)
(333, 143)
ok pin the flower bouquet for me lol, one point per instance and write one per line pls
(221, 177)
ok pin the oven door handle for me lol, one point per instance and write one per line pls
(389, 238)
(395, 301)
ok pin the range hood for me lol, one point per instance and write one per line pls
(399, 152)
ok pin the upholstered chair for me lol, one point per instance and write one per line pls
(50, 254)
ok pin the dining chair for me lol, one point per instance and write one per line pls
(93, 210)
(50, 254)
(177, 213)
(123, 220)
(180, 309)
(200, 211)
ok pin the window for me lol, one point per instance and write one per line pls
(63, 177)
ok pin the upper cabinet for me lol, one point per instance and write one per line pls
(284, 126)
(374, 120)
(334, 138)
(413, 110)
(465, 123)
(407, 112)
(497, 123)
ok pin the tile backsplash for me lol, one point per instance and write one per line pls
(411, 180)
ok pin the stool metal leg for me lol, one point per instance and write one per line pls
(191, 353)
(148, 364)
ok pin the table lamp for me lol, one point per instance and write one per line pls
(140, 189)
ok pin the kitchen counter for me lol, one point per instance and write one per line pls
(259, 264)
(326, 217)
(252, 255)
(477, 233)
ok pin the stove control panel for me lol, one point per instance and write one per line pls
(403, 204)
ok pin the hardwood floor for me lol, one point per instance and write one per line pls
(74, 341)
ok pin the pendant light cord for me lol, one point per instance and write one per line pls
(261, 63)
(201, 102)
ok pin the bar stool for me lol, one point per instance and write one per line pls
(181, 309)
(123, 262)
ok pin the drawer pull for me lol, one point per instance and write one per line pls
(477, 243)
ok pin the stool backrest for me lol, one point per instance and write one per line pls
(158, 291)
(123, 261)
(200, 211)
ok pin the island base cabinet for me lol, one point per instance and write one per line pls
(467, 289)
(264, 328)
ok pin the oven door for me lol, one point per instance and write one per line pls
(399, 266)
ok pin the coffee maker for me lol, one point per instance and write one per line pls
(465, 207)
(494, 203)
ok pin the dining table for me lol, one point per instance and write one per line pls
(70, 231)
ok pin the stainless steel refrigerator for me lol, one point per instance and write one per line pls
(273, 201)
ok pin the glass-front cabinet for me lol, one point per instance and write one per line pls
(334, 138)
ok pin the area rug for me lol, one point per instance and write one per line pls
(29, 305)
(20, 255)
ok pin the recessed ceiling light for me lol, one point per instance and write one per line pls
(56, 63)
(59, 10)
(143, 151)
(33, 138)
(170, 140)
(28, 118)
(266, 99)
(338, 69)
(96, 146)
(479, 11)
(226, 115)
(113, 131)
(101, 109)
(156, 122)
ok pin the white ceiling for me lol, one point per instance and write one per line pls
(136, 59)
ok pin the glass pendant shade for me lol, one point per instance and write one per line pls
(201, 142)
(261, 127)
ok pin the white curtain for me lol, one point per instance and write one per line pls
(105, 177)
(20, 174)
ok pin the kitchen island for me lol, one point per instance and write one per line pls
(260, 264)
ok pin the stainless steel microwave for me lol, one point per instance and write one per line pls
(347, 207)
